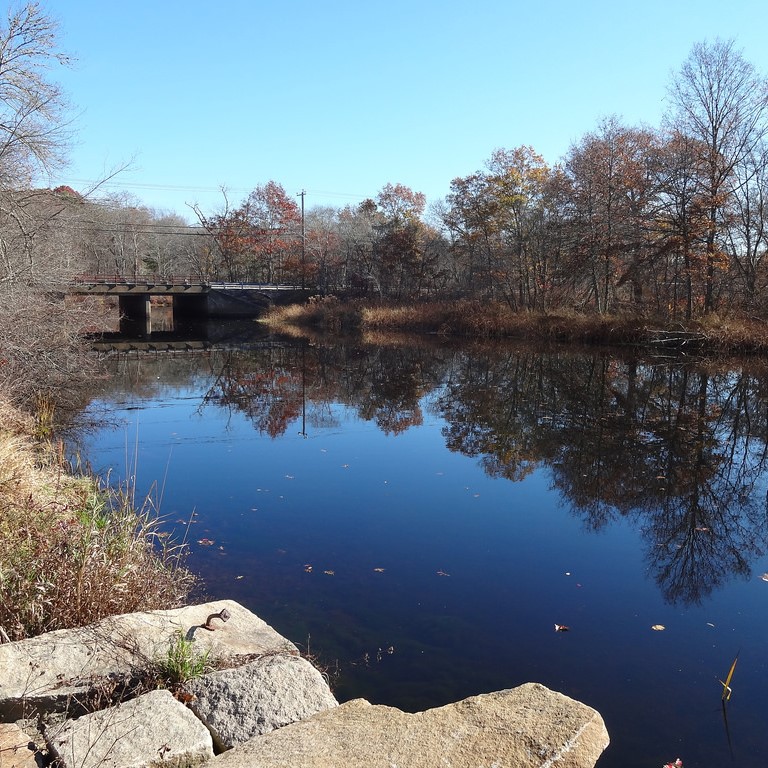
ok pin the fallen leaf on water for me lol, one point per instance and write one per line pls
(561, 628)
(206, 542)
(329, 573)
(443, 573)
(658, 627)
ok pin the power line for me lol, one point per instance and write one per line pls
(149, 186)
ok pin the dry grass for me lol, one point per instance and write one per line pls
(72, 552)
(321, 313)
(488, 320)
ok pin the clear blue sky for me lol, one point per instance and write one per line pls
(343, 96)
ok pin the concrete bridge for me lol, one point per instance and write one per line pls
(191, 298)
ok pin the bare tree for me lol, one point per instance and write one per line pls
(719, 99)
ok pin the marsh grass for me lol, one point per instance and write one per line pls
(469, 319)
(73, 550)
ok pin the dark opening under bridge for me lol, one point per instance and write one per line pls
(191, 298)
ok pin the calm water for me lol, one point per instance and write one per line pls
(422, 517)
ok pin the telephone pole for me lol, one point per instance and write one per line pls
(303, 239)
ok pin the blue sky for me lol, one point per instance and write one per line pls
(341, 97)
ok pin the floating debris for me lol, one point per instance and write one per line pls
(308, 568)
(206, 542)
(329, 573)
(443, 573)
(658, 627)
(561, 628)
(379, 570)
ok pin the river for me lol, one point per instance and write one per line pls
(421, 516)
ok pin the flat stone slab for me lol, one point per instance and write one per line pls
(525, 727)
(271, 692)
(151, 730)
(14, 748)
(44, 672)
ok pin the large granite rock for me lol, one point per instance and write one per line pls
(46, 672)
(273, 691)
(525, 727)
(16, 749)
(152, 730)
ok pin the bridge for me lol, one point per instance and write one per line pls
(191, 297)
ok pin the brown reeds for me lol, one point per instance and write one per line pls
(477, 320)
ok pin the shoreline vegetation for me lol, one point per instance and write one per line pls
(73, 550)
(476, 320)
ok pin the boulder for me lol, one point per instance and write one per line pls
(153, 729)
(48, 672)
(525, 727)
(16, 748)
(273, 691)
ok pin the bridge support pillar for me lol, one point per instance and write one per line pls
(135, 315)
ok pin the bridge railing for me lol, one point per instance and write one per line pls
(169, 280)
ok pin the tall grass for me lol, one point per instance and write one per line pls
(73, 551)
(471, 319)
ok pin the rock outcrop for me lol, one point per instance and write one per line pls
(152, 729)
(264, 707)
(525, 727)
(271, 692)
(54, 670)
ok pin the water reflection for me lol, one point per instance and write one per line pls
(677, 448)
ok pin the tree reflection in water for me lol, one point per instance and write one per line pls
(676, 447)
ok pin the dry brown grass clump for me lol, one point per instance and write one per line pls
(72, 552)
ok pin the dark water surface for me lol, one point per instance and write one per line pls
(455, 505)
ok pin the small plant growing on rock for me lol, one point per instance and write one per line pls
(182, 662)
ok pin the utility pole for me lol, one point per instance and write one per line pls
(303, 239)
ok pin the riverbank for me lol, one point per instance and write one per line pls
(489, 320)
(71, 550)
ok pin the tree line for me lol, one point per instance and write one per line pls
(668, 221)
